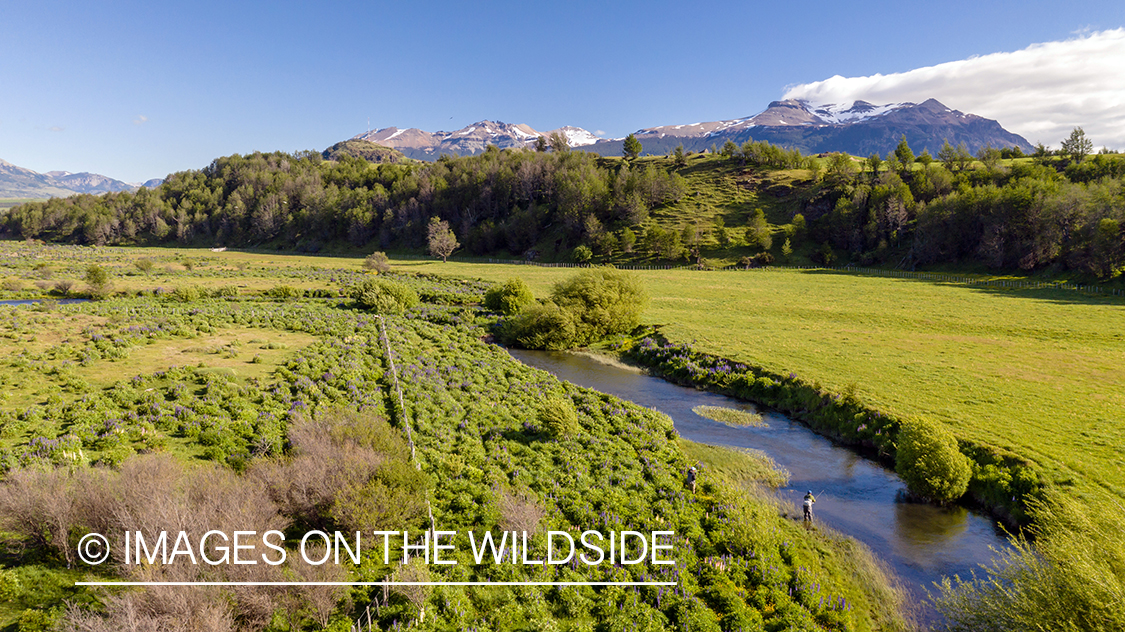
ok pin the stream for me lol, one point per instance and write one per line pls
(858, 497)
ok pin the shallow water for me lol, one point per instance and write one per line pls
(855, 496)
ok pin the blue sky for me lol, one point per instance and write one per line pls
(136, 90)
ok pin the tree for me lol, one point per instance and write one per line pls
(1077, 146)
(930, 463)
(786, 249)
(989, 157)
(98, 278)
(441, 239)
(678, 156)
(559, 143)
(628, 240)
(729, 149)
(758, 231)
(632, 147)
(840, 167)
(541, 144)
(904, 154)
(378, 262)
(873, 161)
(955, 159)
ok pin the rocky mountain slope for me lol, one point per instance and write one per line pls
(18, 182)
(858, 128)
(469, 140)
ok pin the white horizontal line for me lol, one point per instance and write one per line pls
(375, 584)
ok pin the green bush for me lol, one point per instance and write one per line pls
(583, 309)
(384, 297)
(186, 294)
(225, 291)
(378, 262)
(545, 326)
(285, 292)
(509, 298)
(558, 418)
(603, 302)
(930, 463)
(1071, 578)
(582, 254)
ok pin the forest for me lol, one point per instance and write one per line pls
(1053, 211)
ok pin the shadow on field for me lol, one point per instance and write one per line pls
(1052, 295)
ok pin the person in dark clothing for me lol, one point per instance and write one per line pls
(692, 473)
(807, 504)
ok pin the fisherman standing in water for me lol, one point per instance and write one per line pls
(809, 500)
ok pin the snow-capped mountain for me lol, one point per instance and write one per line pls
(858, 128)
(469, 140)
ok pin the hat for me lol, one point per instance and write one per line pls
(810, 491)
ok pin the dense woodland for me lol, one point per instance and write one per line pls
(1065, 211)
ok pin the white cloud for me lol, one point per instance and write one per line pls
(1041, 92)
(599, 132)
(140, 120)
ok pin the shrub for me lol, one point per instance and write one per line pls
(584, 309)
(603, 302)
(186, 294)
(930, 463)
(64, 286)
(378, 262)
(384, 297)
(13, 285)
(144, 265)
(545, 326)
(97, 276)
(558, 418)
(763, 259)
(582, 254)
(510, 297)
(285, 292)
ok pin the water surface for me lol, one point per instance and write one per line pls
(855, 496)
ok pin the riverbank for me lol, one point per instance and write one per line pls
(1002, 483)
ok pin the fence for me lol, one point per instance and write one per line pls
(899, 274)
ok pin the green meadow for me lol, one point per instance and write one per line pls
(1037, 372)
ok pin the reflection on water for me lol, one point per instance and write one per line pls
(855, 496)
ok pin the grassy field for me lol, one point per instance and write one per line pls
(1039, 372)
(223, 379)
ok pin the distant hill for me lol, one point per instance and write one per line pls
(18, 182)
(366, 150)
(859, 128)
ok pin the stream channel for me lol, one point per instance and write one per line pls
(856, 496)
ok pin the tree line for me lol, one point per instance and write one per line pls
(1055, 208)
(498, 200)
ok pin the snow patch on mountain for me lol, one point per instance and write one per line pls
(841, 113)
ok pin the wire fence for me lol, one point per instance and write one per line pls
(879, 272)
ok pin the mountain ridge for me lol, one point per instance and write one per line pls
(20, 182)
(858, 128)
